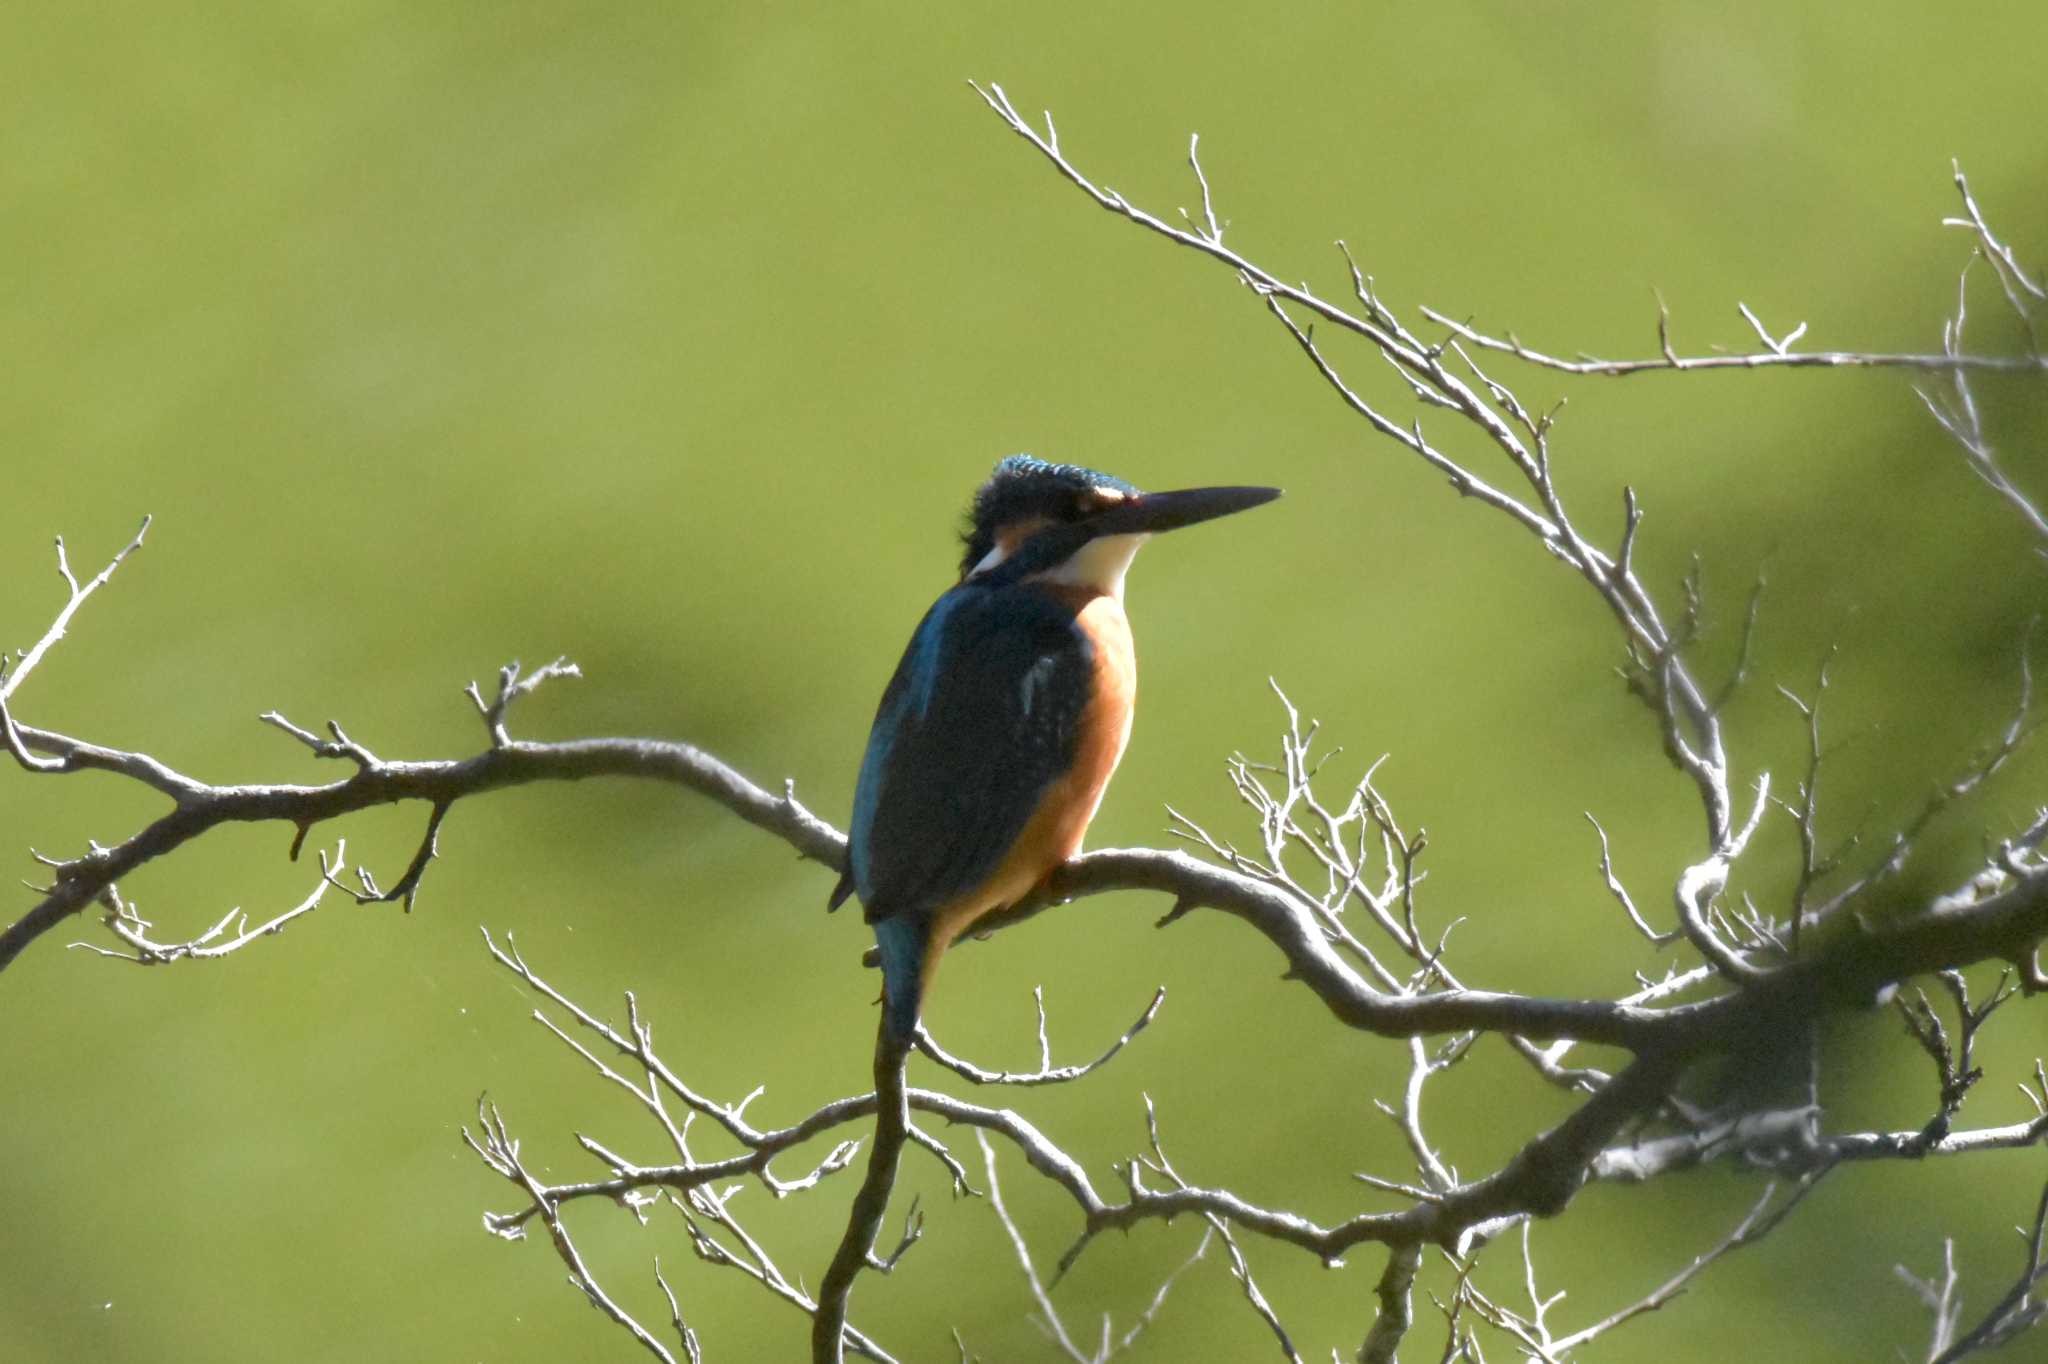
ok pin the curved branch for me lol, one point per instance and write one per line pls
(1773, 358)
(199, 808)
(34, 654)
(1047, 1073)
(864, 1220)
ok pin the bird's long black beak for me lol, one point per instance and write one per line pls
(1151, 513)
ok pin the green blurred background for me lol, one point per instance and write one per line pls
(672, 339)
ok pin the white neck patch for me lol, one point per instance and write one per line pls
(1100, 564)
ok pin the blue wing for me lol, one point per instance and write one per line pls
(982, 715)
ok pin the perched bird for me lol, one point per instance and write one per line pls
(997, 735)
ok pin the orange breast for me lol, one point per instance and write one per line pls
(1056, 828)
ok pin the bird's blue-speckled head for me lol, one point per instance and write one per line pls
(1025, 491)
(1033, 516)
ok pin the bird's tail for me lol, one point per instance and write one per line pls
(901, 939)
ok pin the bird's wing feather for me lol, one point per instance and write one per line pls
(982, 715)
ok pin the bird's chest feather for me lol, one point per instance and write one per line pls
(1106, 721)
(1055, 830)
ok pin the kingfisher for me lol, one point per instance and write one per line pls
(997, 735)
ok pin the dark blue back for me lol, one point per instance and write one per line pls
(982, 715)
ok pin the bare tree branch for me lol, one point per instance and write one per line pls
(497, 1148)
(126, 923)
(1769, 358)
(1047, 1073)
(870, 1201)
(2022, 1307)
(1396, 1308)
(1048, 1315)
(2018, 1311)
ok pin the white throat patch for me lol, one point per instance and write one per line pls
(1100, 564)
